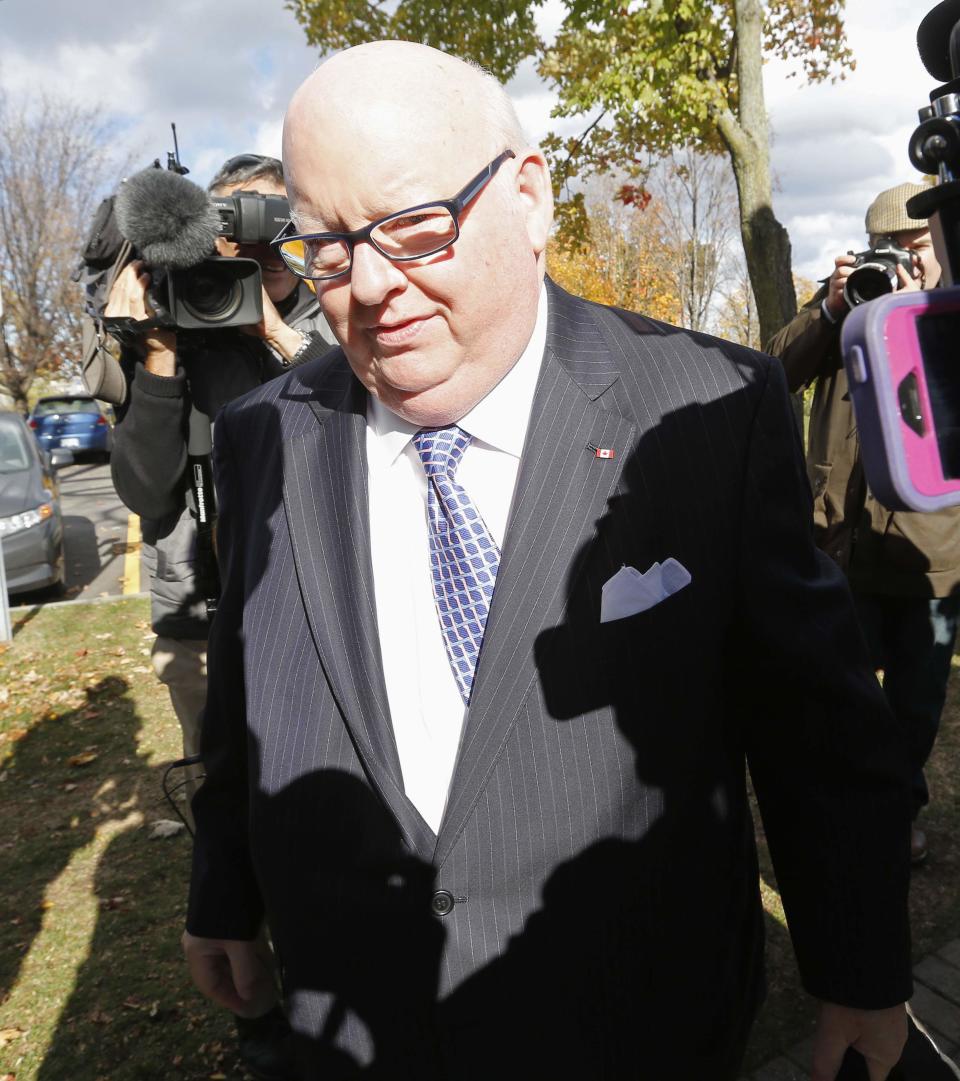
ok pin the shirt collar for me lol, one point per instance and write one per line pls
(500, 419)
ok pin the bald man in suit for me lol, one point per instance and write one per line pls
(515, 587)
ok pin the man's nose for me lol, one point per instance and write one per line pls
(373, 276)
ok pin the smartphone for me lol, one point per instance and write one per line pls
(902, 358)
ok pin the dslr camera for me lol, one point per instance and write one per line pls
(875, 272)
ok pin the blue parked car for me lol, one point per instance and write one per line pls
(75, 422)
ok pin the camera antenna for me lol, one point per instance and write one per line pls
(173, 160)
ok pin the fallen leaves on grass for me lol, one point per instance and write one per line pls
(84, 758)
(165, 827)
(8, 1035)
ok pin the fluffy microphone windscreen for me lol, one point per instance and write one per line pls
(169, 220)
(933, 38)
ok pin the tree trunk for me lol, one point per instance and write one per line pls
(766, 244)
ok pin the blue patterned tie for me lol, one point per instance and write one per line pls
(463, 556)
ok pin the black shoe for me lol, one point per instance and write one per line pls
(265, 1046)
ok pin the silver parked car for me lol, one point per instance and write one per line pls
(31, 526)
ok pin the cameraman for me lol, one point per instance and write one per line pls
(903, 567)
(169, 379)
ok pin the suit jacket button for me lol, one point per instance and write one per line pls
(442, 903)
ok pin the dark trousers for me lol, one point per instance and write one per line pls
(912, 640)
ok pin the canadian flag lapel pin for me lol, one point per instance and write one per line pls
(601, 452)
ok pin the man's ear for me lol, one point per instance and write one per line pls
(536, 197)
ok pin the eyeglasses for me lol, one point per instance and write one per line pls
(408, 234)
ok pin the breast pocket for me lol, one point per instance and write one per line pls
(645, 631)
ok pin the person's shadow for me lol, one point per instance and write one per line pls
(643, 959)
(49, 804)
(367, 949)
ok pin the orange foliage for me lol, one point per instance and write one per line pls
(623, 261)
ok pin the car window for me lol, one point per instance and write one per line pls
(14, 453)
(65, 405)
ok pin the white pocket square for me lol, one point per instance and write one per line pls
(629, 592)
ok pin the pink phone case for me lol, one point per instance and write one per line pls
(891, 391)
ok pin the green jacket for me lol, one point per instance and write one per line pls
(893, 553)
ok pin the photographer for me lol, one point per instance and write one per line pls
(176, 380)
(903, 567)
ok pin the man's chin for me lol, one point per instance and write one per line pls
(428, 407)
(411, 375)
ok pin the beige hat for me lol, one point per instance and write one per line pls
(888, 212)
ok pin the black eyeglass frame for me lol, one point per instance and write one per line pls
(455, 206)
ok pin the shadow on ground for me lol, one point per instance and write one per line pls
(129, 1011)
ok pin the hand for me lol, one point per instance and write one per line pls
(907, 283)
(236, 975)
(128, 300)
(274, 331)
(838, 279)
(879, 1035)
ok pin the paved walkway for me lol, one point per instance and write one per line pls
(935, 1003)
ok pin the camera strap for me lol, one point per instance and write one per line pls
(200, 466)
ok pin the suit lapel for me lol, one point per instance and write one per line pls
(562, 490)
(325, 499)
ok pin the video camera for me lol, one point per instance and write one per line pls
(213, 292)
(172, 225)
(902, 351)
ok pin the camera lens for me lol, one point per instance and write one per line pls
(870, 281)
(211, 297)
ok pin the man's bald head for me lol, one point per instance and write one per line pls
(383, 88)
(389, 126)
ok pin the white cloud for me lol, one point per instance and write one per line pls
(224, 76)
(837, 145)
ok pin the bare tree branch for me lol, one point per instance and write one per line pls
(54, 163)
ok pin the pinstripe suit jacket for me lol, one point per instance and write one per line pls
(600, 915)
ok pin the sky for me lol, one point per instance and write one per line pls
(224, 72)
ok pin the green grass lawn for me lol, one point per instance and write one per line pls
(92, 985)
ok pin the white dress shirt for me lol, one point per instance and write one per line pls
(425, 704)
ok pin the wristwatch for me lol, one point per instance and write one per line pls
(297, 358)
